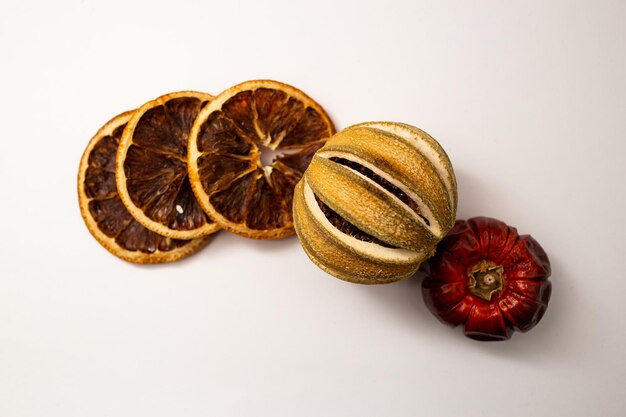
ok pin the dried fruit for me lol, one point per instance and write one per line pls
(374, 202)
(106, 217)
(151, 170)
(230, 182)
(489, 279)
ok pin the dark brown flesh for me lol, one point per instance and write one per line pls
(107, 209)
(229, 170)
(156, 165)
(348, 228)
(383, 183)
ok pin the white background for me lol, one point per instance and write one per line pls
(527, 97)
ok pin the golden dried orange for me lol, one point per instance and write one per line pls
(151, 169)
(375, 201)
(107, 218)
(227, 175)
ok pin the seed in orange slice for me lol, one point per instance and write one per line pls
(106, 217)
(227, 175)
(151, 169)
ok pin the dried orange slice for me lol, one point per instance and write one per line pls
(227, 176)
(106, 217)
(151, 169)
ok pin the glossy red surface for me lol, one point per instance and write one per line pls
(517, 306)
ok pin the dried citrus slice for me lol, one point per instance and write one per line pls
(225, 144)
(106, 217)
(151, 169)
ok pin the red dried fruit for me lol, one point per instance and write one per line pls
(488, 278)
